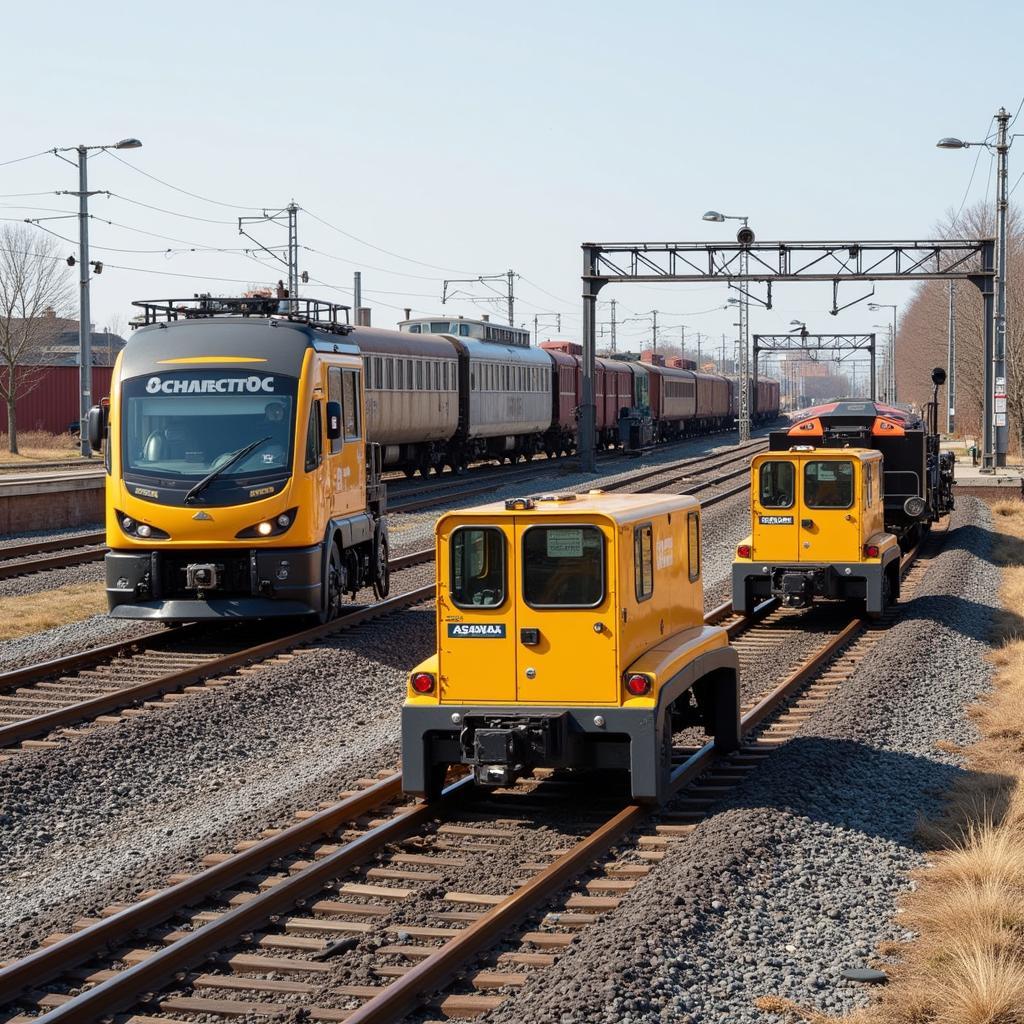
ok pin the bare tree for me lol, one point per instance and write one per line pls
(923, 335)
(34, 294)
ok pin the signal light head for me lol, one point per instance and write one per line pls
(743, 551)
(638, 684)
(423, 682)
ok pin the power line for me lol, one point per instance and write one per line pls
(171, 213)
(167, 184)
(32, 156)
(387, 252)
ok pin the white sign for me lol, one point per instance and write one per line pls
(210, 386)
(565, 543)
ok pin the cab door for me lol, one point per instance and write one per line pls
(829, 517)
(346, 454)
(476, 613)
(773, 508)
(566, 628)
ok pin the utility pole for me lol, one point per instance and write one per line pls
(698, 349)
(998, 373)
(951, 363)
(293, 249)
(84, 327)
(654, 313)
(357, 292)
(613, 326)
(290, 214)
(511, 298)
(84, 315)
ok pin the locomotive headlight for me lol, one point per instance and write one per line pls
(128, 523)
(914, 506)
(143, 530)
(269, 527)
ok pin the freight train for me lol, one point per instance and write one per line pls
(445, 392)
(240, 483)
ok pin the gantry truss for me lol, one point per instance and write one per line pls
(738, 264)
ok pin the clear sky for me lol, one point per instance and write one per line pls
(476, 137)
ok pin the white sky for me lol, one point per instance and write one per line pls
(480, 137)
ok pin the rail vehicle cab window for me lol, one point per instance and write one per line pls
(693, 544)
(869, 481)
(334, 395)
(478, 567)
(828, 484)
(563, 566)
(777, 484)
(643, 561)
(350, 404)
(314, 438)
(181, 425)
(414, 328)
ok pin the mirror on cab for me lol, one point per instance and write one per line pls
(333, 420)
(96, 426)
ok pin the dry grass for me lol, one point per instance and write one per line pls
(967, 964)
(39, 446)
(20, 616)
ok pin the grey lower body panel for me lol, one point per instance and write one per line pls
(251, 583)
(799, 583)
(627, 740)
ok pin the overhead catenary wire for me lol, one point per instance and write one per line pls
(21, 159)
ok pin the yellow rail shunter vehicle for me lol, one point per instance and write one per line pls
(817, 531)
(239, 481)
(570, 634)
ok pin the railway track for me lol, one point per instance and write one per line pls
(44, 555)
(43, 705)
(358, 912)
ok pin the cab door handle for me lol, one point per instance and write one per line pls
(806, 523)
(529, 637)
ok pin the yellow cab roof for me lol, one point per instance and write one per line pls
(807, 451)
(620, 508)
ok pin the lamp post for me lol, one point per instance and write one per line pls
(995, 432)
(84, 328)
(744, 236)
(883, 382)
(890, 377)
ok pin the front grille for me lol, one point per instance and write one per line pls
(233, 573)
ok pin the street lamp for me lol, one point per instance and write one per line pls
(890, 383)
(995, 432)
(887, 362)
(745, 237)
(84, 332)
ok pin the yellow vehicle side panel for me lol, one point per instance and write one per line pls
(671, 656)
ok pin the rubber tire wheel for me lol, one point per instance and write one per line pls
(332, 605)
(382, 570)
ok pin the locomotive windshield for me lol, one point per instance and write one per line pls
(828, 484)
(182, 426)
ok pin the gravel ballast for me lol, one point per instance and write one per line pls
(796, 877)
(116, 811)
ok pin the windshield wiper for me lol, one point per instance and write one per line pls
(231, 460)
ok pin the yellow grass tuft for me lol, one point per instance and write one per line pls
(967, 964)
(32, 613)
(39, 446)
